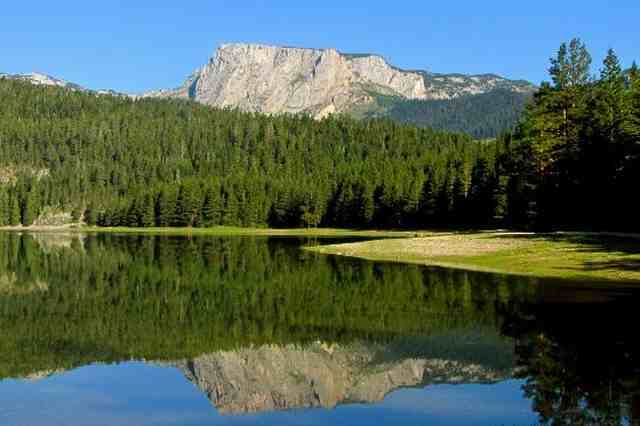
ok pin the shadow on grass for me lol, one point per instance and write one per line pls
(620, 251)
(621, 265)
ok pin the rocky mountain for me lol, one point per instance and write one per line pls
(272, 79)
(42, 80)
(324, 375)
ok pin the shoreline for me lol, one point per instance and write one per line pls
(223, 231)
(591, 256)
(587, 256)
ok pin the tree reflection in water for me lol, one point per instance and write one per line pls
(69, 301)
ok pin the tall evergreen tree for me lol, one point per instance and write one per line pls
(212, 208)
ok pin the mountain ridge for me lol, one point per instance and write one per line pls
(319, 81)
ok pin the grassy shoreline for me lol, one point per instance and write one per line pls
(575, 256)
(581, 256)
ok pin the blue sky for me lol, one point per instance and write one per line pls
(139, 394)
(138, 45)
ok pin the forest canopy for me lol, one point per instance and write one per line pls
(573, 161)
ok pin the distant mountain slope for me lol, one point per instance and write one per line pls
(481, 116)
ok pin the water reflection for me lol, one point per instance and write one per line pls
(259, 325)
(321, 375)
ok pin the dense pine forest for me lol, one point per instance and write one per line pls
(573, 162)
(482, 116)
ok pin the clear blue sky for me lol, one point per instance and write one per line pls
(137, 45)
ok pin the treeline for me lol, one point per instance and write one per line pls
(573, 162)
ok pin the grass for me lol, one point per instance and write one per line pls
(569, 256)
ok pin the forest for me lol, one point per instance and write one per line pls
(572, 163)
(482, 116)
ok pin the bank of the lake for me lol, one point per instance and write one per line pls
(223, 231)
(582, 256)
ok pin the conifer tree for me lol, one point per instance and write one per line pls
(147, 211)
(211, 208)
(4, 204)
(165, 208)
(90, 215)
(29, 209)
(13, 217)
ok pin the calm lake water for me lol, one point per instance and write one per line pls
(157, 330)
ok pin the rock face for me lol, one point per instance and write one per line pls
(279, 378)
(271, 79)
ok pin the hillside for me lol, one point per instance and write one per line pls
(159, 162)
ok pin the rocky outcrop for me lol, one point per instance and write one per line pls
(286, 377)
(272, 79)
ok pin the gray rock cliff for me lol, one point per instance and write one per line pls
(272, 79)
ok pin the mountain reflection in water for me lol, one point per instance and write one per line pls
(259, 325)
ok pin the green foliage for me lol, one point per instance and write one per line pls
(574, 161)
(482, 116)
(174, 163)
(583, 137)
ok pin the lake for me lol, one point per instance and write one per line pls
(158, 330)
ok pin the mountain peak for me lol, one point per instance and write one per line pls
(41, 79)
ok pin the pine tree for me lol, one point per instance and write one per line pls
(559, 70)
(427, 208)
(482, 190)
(459, 211)
(90, 215)
(4, 204)
(231, 213)
(366, 206)
(13, 217)
(133, 214)
(165, 208)
(211, 208)
(147, 211)
(29, 211)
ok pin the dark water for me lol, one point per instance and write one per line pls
(150, 330)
